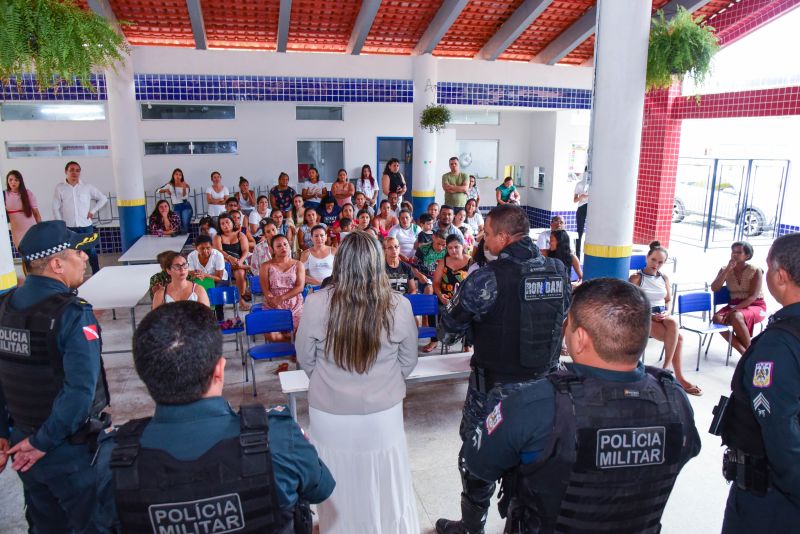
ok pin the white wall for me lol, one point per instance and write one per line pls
(267, 132)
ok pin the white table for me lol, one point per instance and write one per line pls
(148, 247)
(118, 287)
(428, 369)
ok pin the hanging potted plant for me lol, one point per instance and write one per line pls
(679, 47)
(58, 41)
(434, 117)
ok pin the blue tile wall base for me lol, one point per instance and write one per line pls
(132, 224)
(420, 204)
(784, 229)
(540, 218)
(597, 267)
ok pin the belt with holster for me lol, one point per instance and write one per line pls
(748, 472)
(483, 380)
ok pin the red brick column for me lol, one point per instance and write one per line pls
(658, 164)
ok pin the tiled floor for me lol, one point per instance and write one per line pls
(432, 414)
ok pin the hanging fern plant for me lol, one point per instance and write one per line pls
(434, 117)
(56, 39)
(679, 47)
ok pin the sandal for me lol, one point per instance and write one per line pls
(244, 306)
(693, 389)
(282, 368)
(429, 347)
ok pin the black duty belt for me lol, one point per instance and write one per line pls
(483, 380)
(748, 472)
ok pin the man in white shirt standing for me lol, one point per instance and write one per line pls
(581, 197)
(72, 203)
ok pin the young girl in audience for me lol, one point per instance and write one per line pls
(362, 203)
(311, 219)
(663, 326)
(342, 190)
(328, 211)
(246, 197)
(234, 248)
(282, 281)
(384, 220)
(262, 252)
(318, 260)
(474, 218)
(367, 186)
(206, 227)
(298, 211)
(406, 234)
(237, 217)
(314, 190)
(364, 220)
(560, 249)
(284, 225)
(179, 287)
(164, 221)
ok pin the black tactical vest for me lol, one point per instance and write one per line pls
(612, 460)
(31, 366)
(230, 488)
(741, 429)
(520, 338)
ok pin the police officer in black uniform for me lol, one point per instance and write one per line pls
(514, 307)
(196, 465)
(761, 425)
(52, 382)
(595, 446)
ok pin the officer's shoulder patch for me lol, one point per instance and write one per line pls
(761, 405)
(495, 418)
(762, 374)
(279, 411)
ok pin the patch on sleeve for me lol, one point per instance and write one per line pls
(494, 419)
(91, 333)
(761, 405)
(477, 438)
(762, 375)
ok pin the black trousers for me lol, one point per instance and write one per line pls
(580, 219)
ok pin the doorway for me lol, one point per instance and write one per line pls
(402, 149)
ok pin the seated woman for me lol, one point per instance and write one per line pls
(318, 260)
(747, 306)
(507, 193)
(459, 221)
(206, 227)
(285, 226)
(364, 223)
(561, 249)
(474, 218)
(159, 280)
(357, 353)
(663, 326)
(237, 217)
(235, 249)
(282, 281)
(164, 221)
(384, 220)
(257, 215)
(206, 263)
(347, 212)
(361, 203)
(262, 252)
(328, 211)
(406, 234)
(310, 220)
(179, 288)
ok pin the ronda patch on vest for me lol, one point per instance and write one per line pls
(542, 287)
(15, 341)
(630, 447)
(762, 375)
(215, 515)
(494, 419)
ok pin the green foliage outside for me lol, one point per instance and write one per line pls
(57, 40)
(434, 117)
(678, 47)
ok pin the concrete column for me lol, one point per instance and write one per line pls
(126, 153)
(424, 183)
(623, 28)
(8, 275)
(658, 167)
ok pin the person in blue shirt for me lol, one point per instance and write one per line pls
(595, 446)
(762, 425)
(52, 383)
(255, 469)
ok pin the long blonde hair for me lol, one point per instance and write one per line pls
(360, 308)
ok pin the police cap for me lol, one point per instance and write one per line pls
(50, 237)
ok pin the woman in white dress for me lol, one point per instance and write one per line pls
(357, 341)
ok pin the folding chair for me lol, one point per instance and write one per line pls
(638, 262)
(700, 302)
(264, 322)
(224, 296)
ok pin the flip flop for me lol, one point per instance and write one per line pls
(281, 368)
(692, 389)
(429, 348)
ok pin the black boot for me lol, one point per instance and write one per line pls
(473, 518)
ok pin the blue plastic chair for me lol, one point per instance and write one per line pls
(228, 296)
(264, 322)
(424, 305)
(700, 302)
(255, 284)
(638, 262)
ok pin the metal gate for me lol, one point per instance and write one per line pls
(719, 201)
